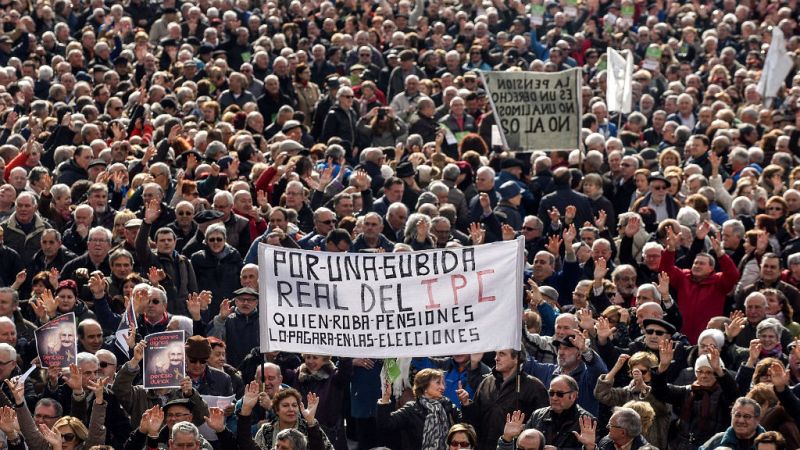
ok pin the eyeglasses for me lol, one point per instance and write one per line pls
(68, 437)
(104, 364)
(460, 444)
(215, 240)
(328, 222)
(155, 301)
(246, 299)
(610, 425)
(529, 228)
(743, 416)
(658, 188)
(184, 213)
(654, 331)
(198, 361)
(559, 394)
(98, 241)
(43, 417)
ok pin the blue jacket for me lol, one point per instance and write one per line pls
(586, 375)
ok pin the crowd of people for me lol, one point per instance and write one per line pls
(147, 148)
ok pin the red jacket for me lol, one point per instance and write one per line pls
(699, 301)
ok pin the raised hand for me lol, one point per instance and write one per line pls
(736, 326)
(555, 215)
(515, 424)
(534, 295)
(585, 320)
(714, 361)
(53, 437)
(621, 362)
(194, 306)
(486, 204)
(138, 353)
(156, 275)
(663, 285)
(151, 421)
(310, 412)
(672, 239)
(778, 376)
(225, 309)
(569, 213)
(8, 422)
(665, 352)
(215, 419)
(463, 395)
(703, 229)
(569, 237)
(74, 379)
(49, 302)
(600, 268)
(508, 232)
(632, 226)
(588, 432)
(476, 233)
(186, 387)
(554, 245)
(250, 398)
(98, 387)
(604, 330)
(152, 211)
(17, 389)
(754, 353)
(600, 220)
(386, 396)
(717, 246)
(97, 286)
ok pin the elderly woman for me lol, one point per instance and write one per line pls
(69, 432)
(65, 301)
(381, 128)
(702, 409)
(425, 421)
(319, 374)
(640, 367)
(773, 416)
(217, 267)
(290, 414)
(417, 232)
(463, 436)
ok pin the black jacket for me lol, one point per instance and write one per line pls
(425, 127)
(69, 173)
(410, 421)
(218, 274)
(340, 123)
(495, 398)
(558, 428)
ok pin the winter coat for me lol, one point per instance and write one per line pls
(69, 173)
(495, 398)
(136, 399)
(612, 396)
(340, 123)
(26, 244)
(410, 421)
(699, 301)
(728, 439)
(215, 382)
(240, 332)
(558, 428)
(317, 440)
(330, 383)
(690, 434)
(218, 274)
(180, 281)
(35, 440)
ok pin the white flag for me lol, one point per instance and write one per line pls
(618, 81)
(776, 67)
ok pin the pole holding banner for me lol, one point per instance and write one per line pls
(391, 305)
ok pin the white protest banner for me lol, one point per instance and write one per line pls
(390, 305)
(619, 81)
(537, 110)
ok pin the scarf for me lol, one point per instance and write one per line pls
(703, 395)
(324, 372)
(435, 430)
(774, 353)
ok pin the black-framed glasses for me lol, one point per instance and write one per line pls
(559, 394)
(155, 301)
(215, 240)
(328, 222)
(104, 364)
(198, 360)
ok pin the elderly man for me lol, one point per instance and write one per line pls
(150, 192)
(238, 326)
(755, 310)
(701, 290)
(544, 269)
(558, 421)
(744, 428)
(9, 308)
(95, 258)
(296, 200)
(770, 272)
(237, 227)
(22, 231)
(75, 236)
(405, 103)
(578, 361)
(340, 120)
(501, 393)
(624, 431)
(372, 238)
(324, 222)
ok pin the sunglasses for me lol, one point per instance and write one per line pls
(155, 301)
(559, 394)
(104, 364)
(196, 361)
(184, 213)
(460, 444)
(68, 437)
(529, 228)
(215, 240)
(328, 222)
(654, 331)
